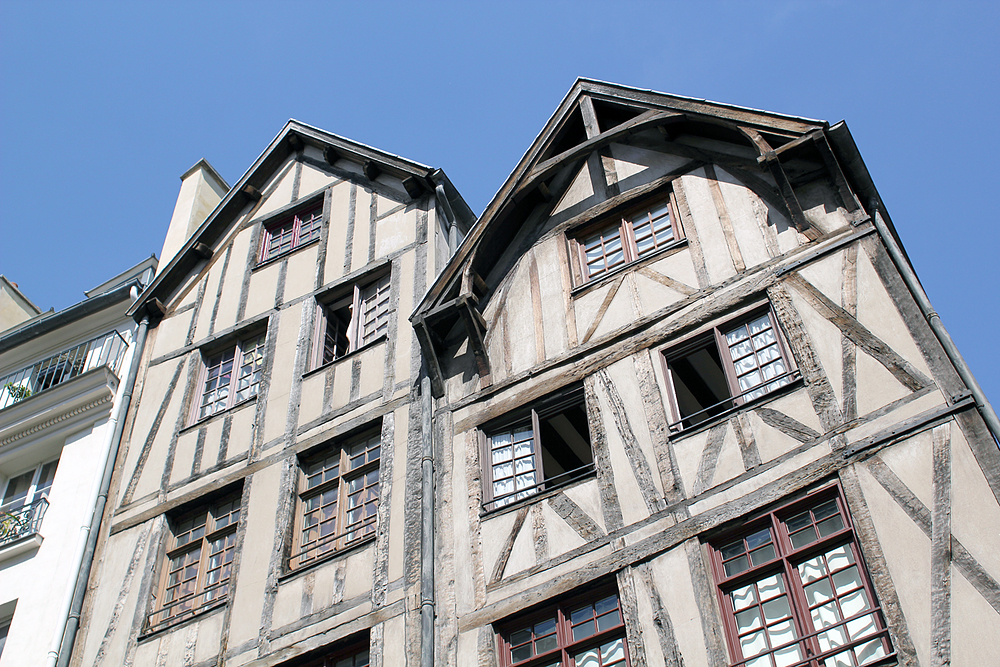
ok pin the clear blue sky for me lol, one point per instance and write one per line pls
(104, 105)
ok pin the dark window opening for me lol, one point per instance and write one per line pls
(540, 447)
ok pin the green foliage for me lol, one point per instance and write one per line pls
(18, 392)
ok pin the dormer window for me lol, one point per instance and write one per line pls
(291, 232)
(625, 238)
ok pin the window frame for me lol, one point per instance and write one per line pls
(320, 549)
(211, 533)
(309, 217)
(248, 344)
(715, 336)
(352, 647)
(565, 647)
(33, 494)
(785, 563)
(625, 224)
(532, 413)
(358, 300)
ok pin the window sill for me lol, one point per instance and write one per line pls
(20, 546)
(326, 558)
(205, 420)
(278, 258)
(541, 495)
(366, 346)
(797, 383)
(669, 249)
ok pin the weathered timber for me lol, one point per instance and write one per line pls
(508, 545)
(901, 369)
(602, 459)
(630, 612)
(661, 619)
(710, 458)
(575, 517)
(724, 220)
(657, 422)
(691, 234)
(849, 349)
(667, 281)
(540, 538)
(787, 425)
(941, 547)
(608, 298)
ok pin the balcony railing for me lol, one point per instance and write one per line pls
(106, 350)
(17, 522)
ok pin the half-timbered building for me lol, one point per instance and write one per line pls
(677, 398)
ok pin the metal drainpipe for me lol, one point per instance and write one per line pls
(442, 198)
(427, 527)
(62, 650)
(910, 278)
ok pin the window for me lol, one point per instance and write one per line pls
(338, 498)
(584, 631)
(29, 487)
(218, 392)
(612, 244)
(353, 652)
(793, 587)
(199, 561)
(729, 366)
(359, 317)
(290, 233)
(538, 447)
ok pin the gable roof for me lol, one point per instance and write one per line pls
(418, 178)
(593, 115)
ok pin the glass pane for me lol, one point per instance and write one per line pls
(753, 644)
(759, 538)
(613, 653)
(771, 587)
(854, 603)
(764, 339)
(589, 658)
(781, 633)
(831, 639)
(830, 526)
(840, 557)
(776, 609)
(547, 643)
(736, 335)
(870, 651)
(748, 620)
(819, 592)
(862, 627)
(787, 656)
(825, 616)
(826, 509)
(847, 580)
(803, 537)
(502, 454)
(521, 653)
(743, 597)
(583, 630)
(812, 569)
(731, 550)
(763, 555)
(736, 566)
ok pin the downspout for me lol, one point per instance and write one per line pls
(427, 523)
(62, 645)
(442, 198)
(910, 278)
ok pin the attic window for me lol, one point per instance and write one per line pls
(626, 238)
(289, 233)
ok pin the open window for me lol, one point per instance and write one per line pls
(539, 447)
(625, 238)
(352, 319)
(793, 586)
(732, 364)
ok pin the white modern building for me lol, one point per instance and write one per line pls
(63, 390)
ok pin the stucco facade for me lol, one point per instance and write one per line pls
(61, 395)
(673, 400)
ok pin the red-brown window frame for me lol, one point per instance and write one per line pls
(716, 335)
(240, 349)
(562, 609)
(366, 528)
(356, 332)
(624, 222)
(785, 563)
(311, 215)
(212, 532)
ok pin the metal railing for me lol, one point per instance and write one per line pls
(17, 522)
(106, 350)
(545, 485)
(187, 606)
(725, 405)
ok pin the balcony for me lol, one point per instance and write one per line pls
(19, 525)
(106, 350)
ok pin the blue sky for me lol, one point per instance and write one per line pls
(104, 105)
